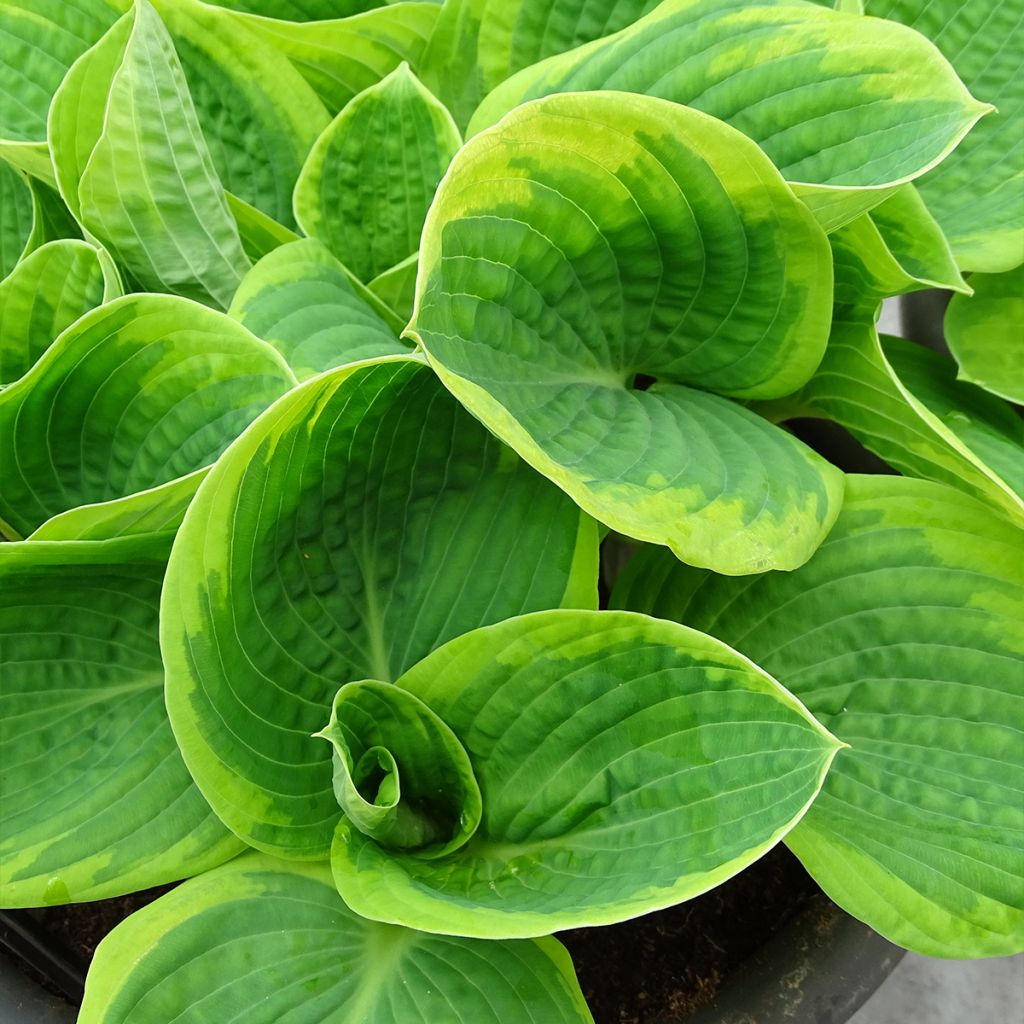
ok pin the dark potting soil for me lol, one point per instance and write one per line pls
(666, 965)
(656, 968)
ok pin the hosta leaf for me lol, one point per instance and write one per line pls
(905, 636)
(844, 105)
(477, 44)
(669, 762)
(367, 201)
(41, 40)
(978, 193)
(157, 205)
(546, 288)
(986, 333)
(52, 220)
(362, 521)
(258, 114)
(300, 300)
(135, 394)
(300, 10)
(260, 234)
(96, 799)
(902, 402)
(396, 287)
(15, 217)
(48, 291)
(345, 56)
(269, 942)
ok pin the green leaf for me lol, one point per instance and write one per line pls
(52, 221)
(902, 402)
(257, 113)
(847, 106)
(41, 40)
(363, 520)
(546, 287)
(259, 233)
(97, 801)
(978, 192)
(905, 636)
(47, 292)
(367, 202)
(396, 287)
(299, 10)
(345, 56)
(134, 395)
(986, 333)
(300, 300)
(156, 205)
(477, 44)
(15, 217)
(669, 763)
(268, 942)
(401, 776)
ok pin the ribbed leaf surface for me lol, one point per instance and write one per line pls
(365, 519)
(669, 762)
(271, 942)
(46, 293)
(300, 300)
(15, 217)
(369, 180)
(592, 241)
(96, 799)
(134, 395)
(905, 636)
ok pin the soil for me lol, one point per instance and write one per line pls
(654, 969)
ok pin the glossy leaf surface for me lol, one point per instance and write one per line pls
(905, 636)
(546, 289)
(272, 941)
(96, 799)
(363, 520)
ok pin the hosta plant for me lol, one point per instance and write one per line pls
(338, 340)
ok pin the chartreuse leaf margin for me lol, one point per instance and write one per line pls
(271, 940)
(546, 294)
(904, 635)
(363, 520)
(670, 763)
(97, 801)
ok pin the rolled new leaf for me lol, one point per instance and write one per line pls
(668, 763)
(48, 291)
(905, 636)
(400, 774)
(133, 397)
(985, 333)
(792, 77)
(367, 203)
(299, 299)
(592, 242)
(159, 209)
(362, 521)
(272, 941)
(977, 194)
(97, 801)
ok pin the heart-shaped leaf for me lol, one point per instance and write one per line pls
(977, 194)
(669, 763)
(96, 799)
(343, 57)
(299, 299)
(143, 391)
(477, 44)
(158, 207)
(47, 292)
(844, 105)
(905, 636)
(592, 242)
(367, 202)
(270, 941)
(986, 333)
(363, 520)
